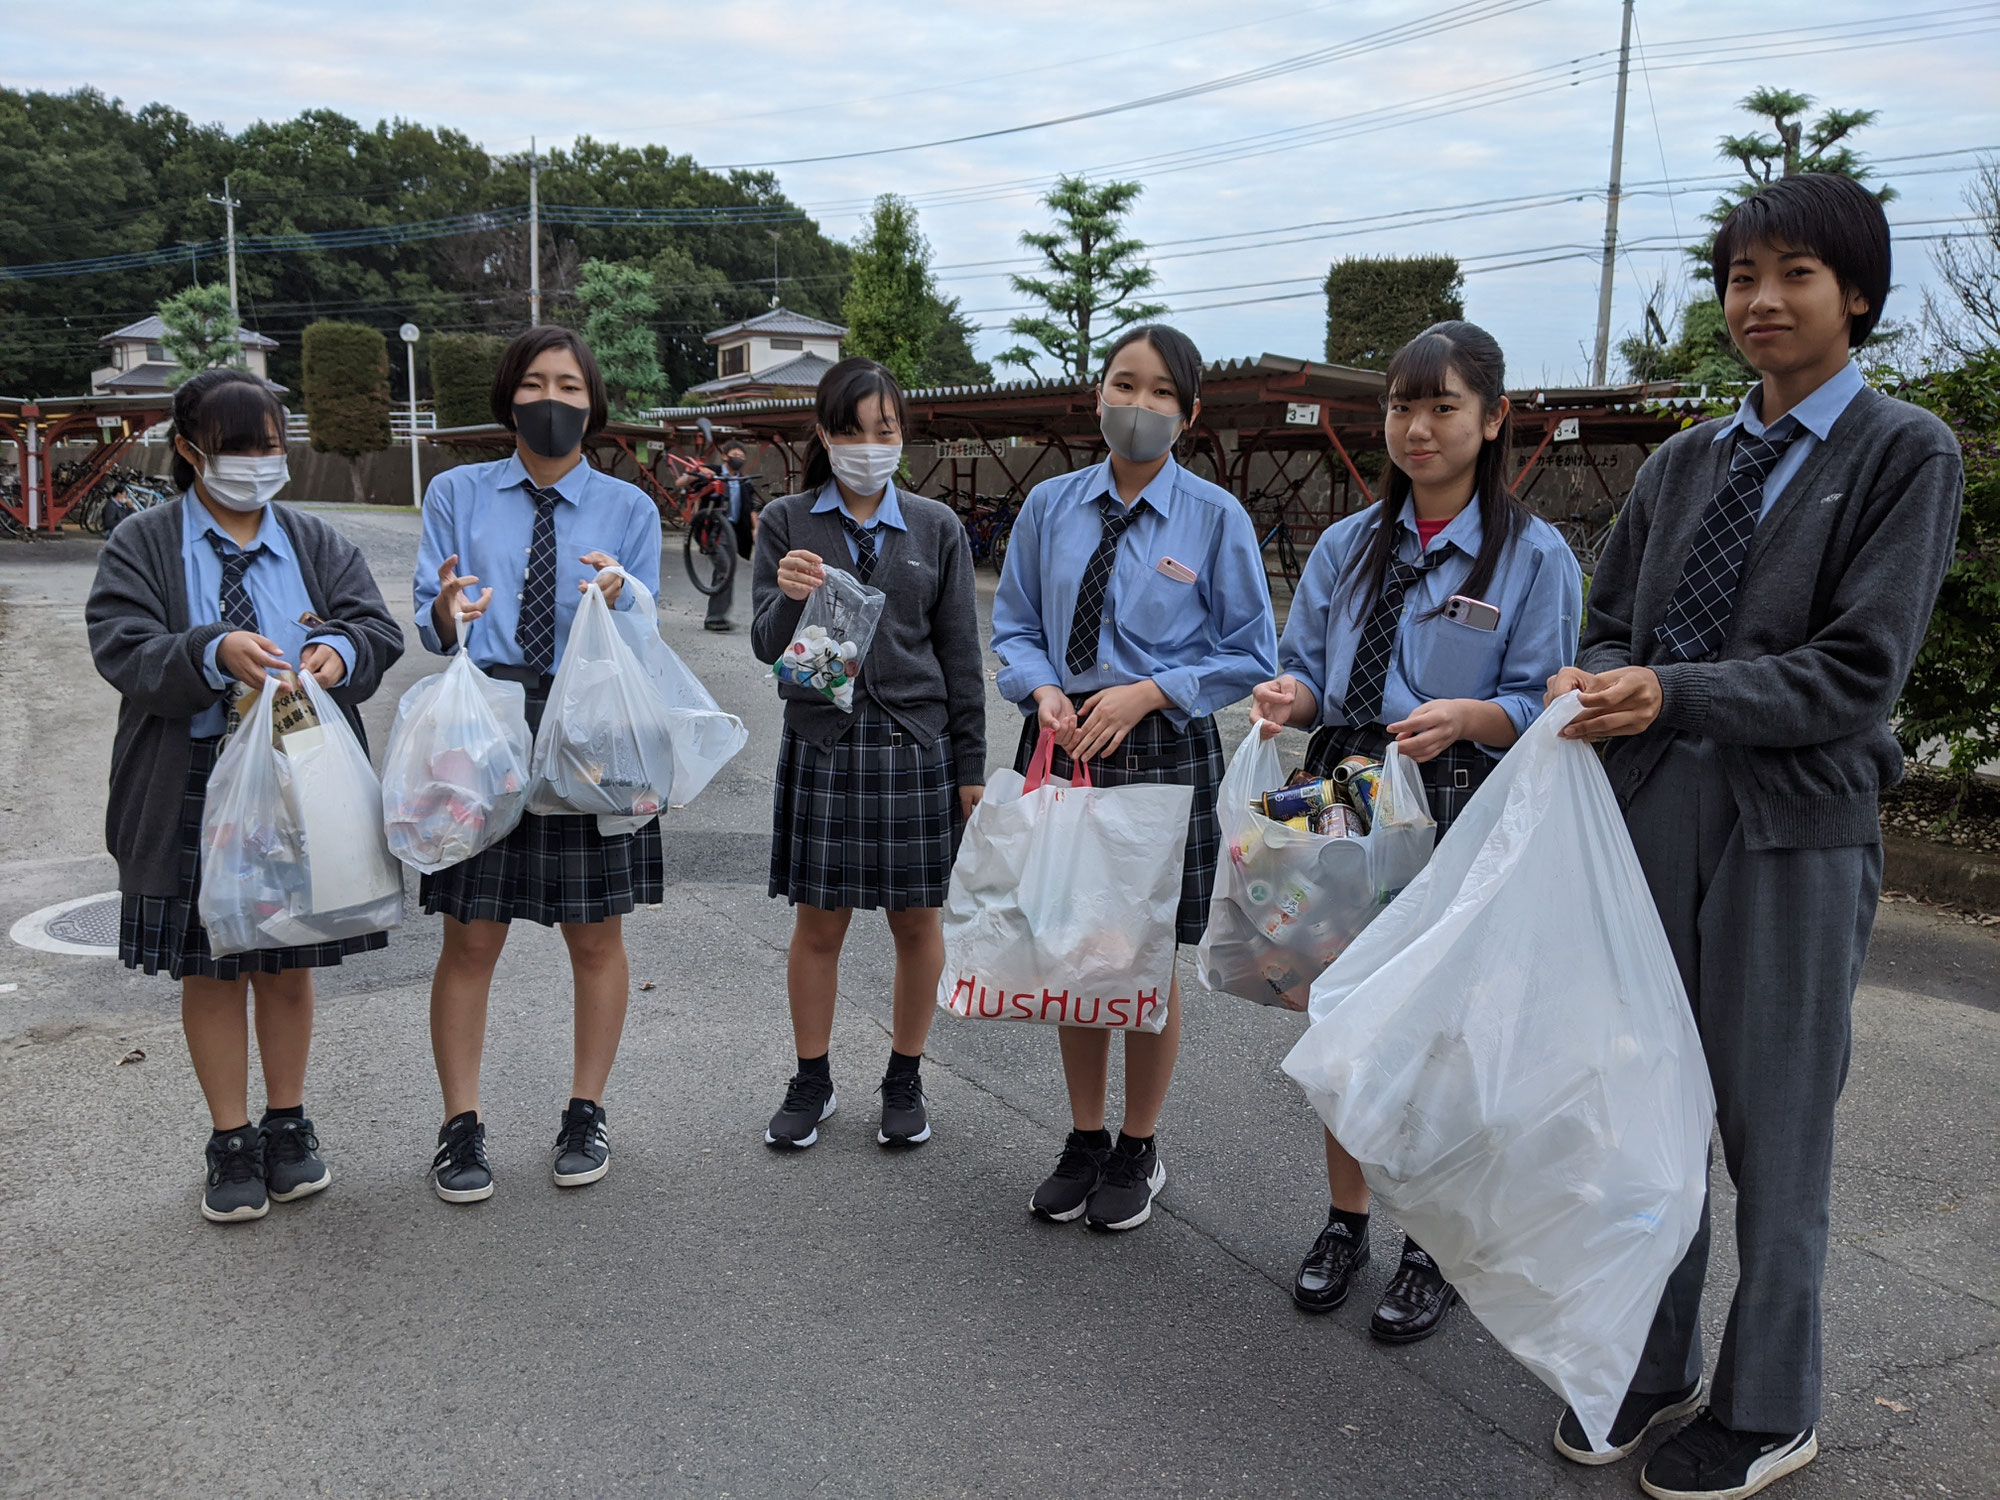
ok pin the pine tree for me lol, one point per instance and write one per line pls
(199, 331)
(1096, 270)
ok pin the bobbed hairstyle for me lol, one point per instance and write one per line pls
(1177, 352)
(837, 408)
(531, 346)
(224, 411)
(1422, 370)
(1826, 215)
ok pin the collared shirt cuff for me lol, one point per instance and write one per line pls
(1019, 684)
(342, 646)
(217, 678)
(427, 632)
(1182, 688)
(1521, 710)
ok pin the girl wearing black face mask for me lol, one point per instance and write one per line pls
(513, 545)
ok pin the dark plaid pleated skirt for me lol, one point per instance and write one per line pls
(1155, 753)
(1450, 777)
(164, 935)
(873, 822)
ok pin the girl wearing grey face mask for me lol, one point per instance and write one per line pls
(1132, 607)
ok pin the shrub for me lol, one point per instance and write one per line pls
(1374, 306)
(346, 368)
(462, 369)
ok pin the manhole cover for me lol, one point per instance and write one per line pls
(86, 927)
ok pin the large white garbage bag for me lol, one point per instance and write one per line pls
(705, 738)
(1509, 1054)
(455, 778)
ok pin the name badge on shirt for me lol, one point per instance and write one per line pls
(1179, 572)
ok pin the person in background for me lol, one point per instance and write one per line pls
(1133, 605)
(739, 494)
(538, 527)
(194, 603)
(1375, 649)
(1754, 617)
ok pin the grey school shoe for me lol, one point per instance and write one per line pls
(292, 1165)
(235, 1190)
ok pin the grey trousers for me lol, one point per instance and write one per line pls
(722, 599)
(1769, 944)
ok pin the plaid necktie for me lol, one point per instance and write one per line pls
(1081, 652)
(1697, 616)
(535, 633)
(1369, 676)
(233, 601)
(864, 546)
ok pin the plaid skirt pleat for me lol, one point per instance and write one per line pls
(1157, 754)
(873, 822)
(164, 935)
(1450, 777)
(550, 870)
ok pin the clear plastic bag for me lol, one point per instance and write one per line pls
(455, 777)
(606, 743)
(1509, 1054)
(292, 849)
(1288, 901)
(832, 638)
(705, 738)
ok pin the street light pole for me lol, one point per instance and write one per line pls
(534, 237)
(409, 336)
(1603, 349)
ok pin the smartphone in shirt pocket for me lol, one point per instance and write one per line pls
(1457, 652)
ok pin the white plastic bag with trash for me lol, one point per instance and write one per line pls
(705, 738)
(1509, 1054)
(292, 850)
(455, 776)
(606, 743)
(1062, 901)
(1288, 901)
(831, 639)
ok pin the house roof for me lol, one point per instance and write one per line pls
(151, 329)
(779, 320)
(805, 371)
(150, 376)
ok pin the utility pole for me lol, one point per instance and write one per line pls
(1603, 350)
(229, 206)
(534, 237)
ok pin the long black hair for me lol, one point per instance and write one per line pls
(837, 409)
(1177, 352)
(223, 410)
(1422, 370)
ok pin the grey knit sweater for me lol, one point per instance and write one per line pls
(1833, 603)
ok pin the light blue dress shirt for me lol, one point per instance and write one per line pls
(888, 513)
(486, 514)
(1816, 414)
(1538, 589)
(274, 584)
(1206, 643)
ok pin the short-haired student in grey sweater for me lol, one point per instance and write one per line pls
(1751, 624)
(869, 805)
(192, 599)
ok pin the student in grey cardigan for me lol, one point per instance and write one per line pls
(869, 803)
(1751, 625)
(192, 599)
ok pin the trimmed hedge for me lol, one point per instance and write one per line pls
(1375, 305)
(462, 369)
(346, 383)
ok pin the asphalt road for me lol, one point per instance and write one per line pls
(712, 1319)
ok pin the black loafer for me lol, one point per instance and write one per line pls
(1327, 1273)
(1416, 1301)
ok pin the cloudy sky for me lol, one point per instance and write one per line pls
(1291, 133)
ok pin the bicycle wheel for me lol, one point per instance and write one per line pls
(997, 548)
(710, 550)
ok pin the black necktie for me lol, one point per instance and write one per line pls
(233, 601)
(1697, 616)
(864, 546)
(536, 631)
(1369, 676)
(1081, 652)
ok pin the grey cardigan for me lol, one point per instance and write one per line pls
(1836, 594)
(142, 644)
(924, 667)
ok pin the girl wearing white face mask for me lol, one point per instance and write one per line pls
(192, 604)
(869, 805)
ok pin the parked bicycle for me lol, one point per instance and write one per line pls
(989, 522)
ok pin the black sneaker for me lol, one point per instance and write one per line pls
(1133, 1176)
(459, 1171)
(1707, 1461)
(1078, 1171)
(1416, 1300)
(809, 1099)
(236, 1188)
(583, 1154)
(1327, 1272)
(1637, 1416)
(905, 1119)
(292, 1166)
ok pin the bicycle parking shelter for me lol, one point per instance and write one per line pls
(44, 494)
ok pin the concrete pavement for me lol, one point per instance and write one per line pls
(716, 1320)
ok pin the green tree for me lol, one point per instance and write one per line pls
(1701, 354)
(199, 331)
(617, 301)
(1375, 305)
(462, 369)
(346, 378)
(892, 311)
(950, 360)
(1094, 271)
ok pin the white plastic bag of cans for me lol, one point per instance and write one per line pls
(1304, 868)
(455, 778)
(833, 635)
